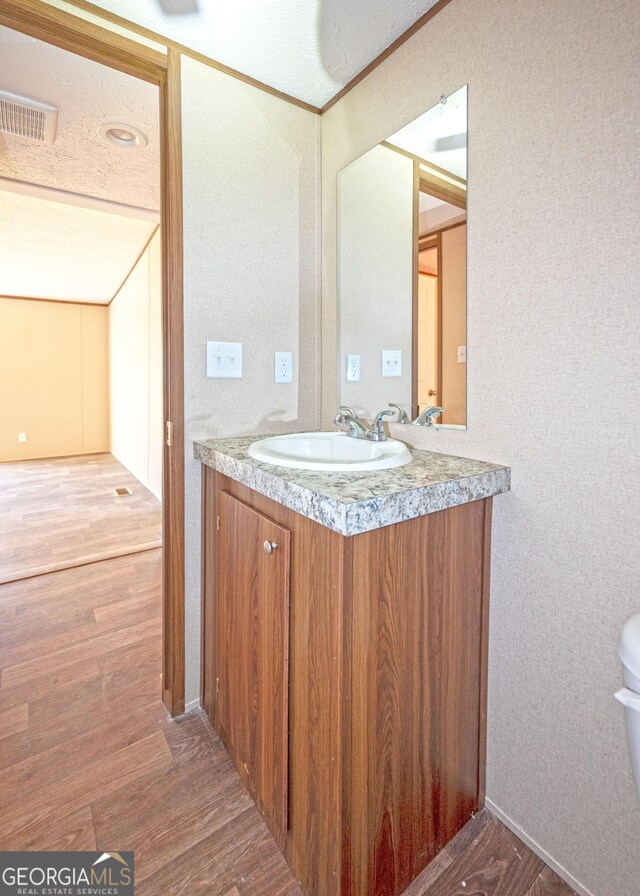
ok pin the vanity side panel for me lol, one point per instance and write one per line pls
(416, 684)
(208, 616)
(318, 675)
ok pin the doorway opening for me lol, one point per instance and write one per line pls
(110, 413)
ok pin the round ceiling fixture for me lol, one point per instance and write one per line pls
(121, 134)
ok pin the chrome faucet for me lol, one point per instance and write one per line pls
(347, 417)
(425, 418)
(377, 433)
(403, 417)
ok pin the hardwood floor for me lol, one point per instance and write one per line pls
(89, 758)
(64, 512)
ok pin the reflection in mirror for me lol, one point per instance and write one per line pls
(402, 260)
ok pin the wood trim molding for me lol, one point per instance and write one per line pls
(439, 395)
(415, 288)
(484, 655)
(64, 30)
(441, 190)
(386, 53)
(173, 329)
(187, 51)
(86, 39)
(430, 233)
(449, 176)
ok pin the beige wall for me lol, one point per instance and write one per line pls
(375, 246)
(553, 386)
(454, 325)
(53, 379)
(251, 168)
(135, 370)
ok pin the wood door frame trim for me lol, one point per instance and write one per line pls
(439, 395)
(83, 38)
(415, 290)
(424, 236)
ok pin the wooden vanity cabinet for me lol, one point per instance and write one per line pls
(369, 652)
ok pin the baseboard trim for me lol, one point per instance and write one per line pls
(539, 851)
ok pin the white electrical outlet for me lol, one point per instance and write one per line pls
(224, 359)
(284, 367)
(391, 363)
(353, 368)
(22, 437)
(462, 354)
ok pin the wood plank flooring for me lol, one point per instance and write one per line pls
(63, 512)
(90, 760)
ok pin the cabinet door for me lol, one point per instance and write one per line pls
(253, 653)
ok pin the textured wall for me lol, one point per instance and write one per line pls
(53, 379)
(251, 206)
(553, 385)
(135, 371)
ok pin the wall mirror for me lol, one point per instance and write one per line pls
(402, 269)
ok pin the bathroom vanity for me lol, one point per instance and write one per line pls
(345, 655)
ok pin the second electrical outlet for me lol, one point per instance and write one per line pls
(284, 367)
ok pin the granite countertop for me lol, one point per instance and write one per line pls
(351, 503)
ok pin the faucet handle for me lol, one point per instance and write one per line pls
(377, 420)
(345, 409)
(403, 417)
(376, 432)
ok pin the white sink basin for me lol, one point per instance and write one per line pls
(329, 451)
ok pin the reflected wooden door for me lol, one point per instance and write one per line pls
(427, 340)
(253, 654)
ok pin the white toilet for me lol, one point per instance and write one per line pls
(629, 696)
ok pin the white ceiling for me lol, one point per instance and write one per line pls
(307, 48)
(51, 244)
(52, 250)
(87, 94)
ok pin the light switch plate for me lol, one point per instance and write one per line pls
(224, 359)
(284, 367)
(391, 363)
(462, 354)
(353, 368)
(22, 437)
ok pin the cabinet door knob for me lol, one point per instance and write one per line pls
(269, 547)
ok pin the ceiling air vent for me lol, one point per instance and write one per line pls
(23, 117)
